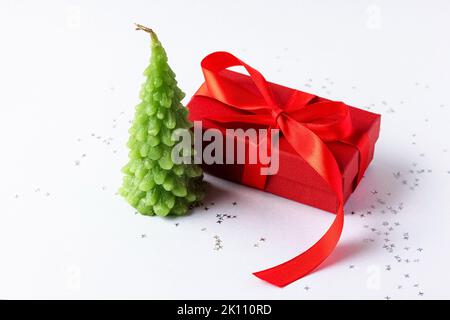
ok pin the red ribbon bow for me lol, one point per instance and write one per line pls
(305, 123)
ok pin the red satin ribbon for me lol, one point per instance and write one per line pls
(305, 124)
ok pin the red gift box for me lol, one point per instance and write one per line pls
(295, 180)
(324, 147)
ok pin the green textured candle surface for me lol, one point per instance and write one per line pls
(153, 184)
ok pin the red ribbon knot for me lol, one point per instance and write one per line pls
(276, 113)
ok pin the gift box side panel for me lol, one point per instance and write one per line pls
(299, 192)
(280, 186)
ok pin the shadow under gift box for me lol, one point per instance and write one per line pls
(295, 179)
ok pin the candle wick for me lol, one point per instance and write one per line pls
(148, 30)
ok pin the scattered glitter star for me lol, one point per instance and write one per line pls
(217, 243)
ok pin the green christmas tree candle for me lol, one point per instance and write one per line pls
(152, 183)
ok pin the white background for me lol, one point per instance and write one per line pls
(70, 73)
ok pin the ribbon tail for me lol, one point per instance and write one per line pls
(296, 268)
(320, 158)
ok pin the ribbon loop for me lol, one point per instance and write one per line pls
(238, 96)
